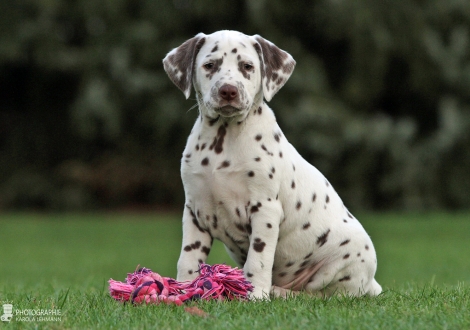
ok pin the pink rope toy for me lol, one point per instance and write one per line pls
(214, 282)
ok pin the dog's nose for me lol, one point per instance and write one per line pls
(228, 92)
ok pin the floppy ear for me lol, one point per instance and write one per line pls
(277, 66)
(179, 63)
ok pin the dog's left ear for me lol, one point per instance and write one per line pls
(179, 63)
(276, 66)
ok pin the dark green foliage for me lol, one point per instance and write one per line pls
(379, 100)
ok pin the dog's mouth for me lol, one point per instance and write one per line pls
(228, 111)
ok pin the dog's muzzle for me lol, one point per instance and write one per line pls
(228, 92)
(229, 99)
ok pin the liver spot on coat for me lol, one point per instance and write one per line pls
(258, 245)
(322, 239)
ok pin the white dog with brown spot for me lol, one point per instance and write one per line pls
(247, 186)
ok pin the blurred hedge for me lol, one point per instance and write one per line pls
(379, 100)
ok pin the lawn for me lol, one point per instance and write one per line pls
(63, 261)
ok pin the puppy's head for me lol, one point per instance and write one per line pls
(230, 71)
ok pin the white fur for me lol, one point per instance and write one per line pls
(247, 186)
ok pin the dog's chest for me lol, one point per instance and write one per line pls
(212, 165)
(221, 167)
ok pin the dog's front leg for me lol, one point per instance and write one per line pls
(196, 246)
(264, 220)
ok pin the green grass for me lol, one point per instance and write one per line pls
(64, 261)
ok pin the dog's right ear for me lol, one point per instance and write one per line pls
(179, 63)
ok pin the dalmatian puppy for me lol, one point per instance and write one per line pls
(246, 185)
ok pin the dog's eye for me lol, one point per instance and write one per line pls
(248, 67)
(208, 65)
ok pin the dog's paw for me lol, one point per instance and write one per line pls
(185, 276)
(277, 291)
(259, 294)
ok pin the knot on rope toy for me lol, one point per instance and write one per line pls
(219, 282)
